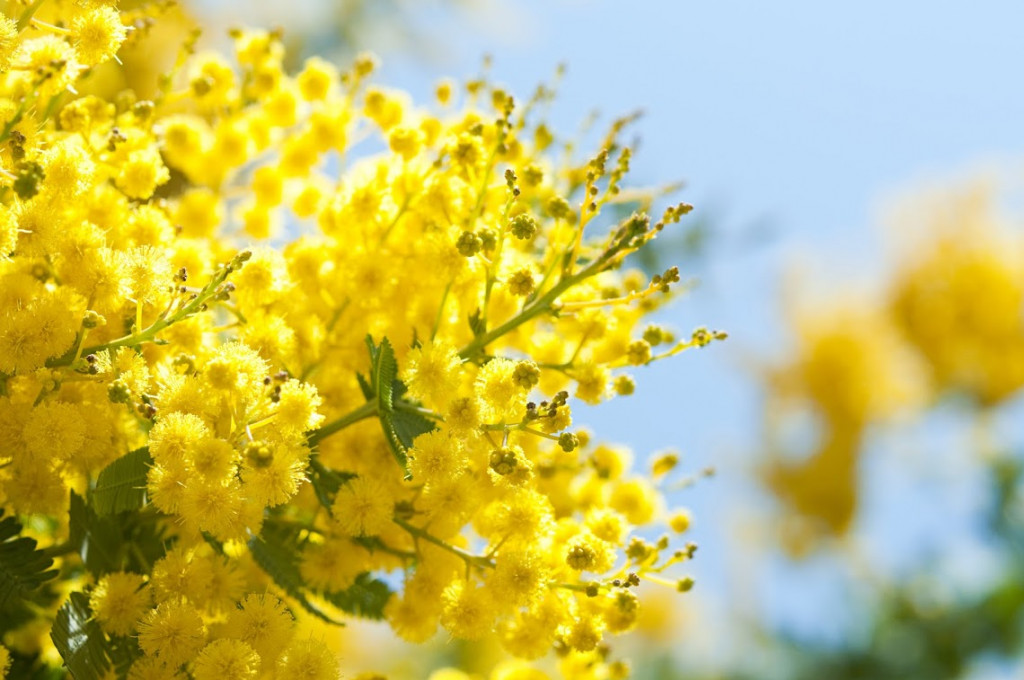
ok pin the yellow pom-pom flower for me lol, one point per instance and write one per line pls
(308, 660)
(174, 632)
(119, 601)
(363, 507)
(226, 659)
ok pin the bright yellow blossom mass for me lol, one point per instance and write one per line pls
(255, 374)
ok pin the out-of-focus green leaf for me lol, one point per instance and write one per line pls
(366, 597)
(276, 550)
(23, 568)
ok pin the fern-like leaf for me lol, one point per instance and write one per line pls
(366, 597)
(383, 377)
(22, 568)
(276, 550)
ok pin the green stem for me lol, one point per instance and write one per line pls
(26, 16)
(234, 311)
(468, 557)
(440, 311)
(59, 550)
(143, 562)
(149, 334)
(541, 305)
(51, 107)
(562, 367)
(547, 275)
(18, 115)
(293, 524)
(418, 410)
(337, 315)
(316, 436)
(374, 545)
(577, 587)
(538, 433)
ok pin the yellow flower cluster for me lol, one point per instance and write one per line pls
(269, 337)
(950, 320)
(959, 300)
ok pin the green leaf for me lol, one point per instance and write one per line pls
(325, 481)
(217, 546)
(147, 540)
(79, 639)
(99, 540)
(25, 667)
(383, 373)
(123, 652)
(26, 16)
(17, 615)
(400, 429)
(365, 387)
(477, 323)
(398, 390)
(121, 485)
(26, 184)
(366, 597)
(79, 515)
(276, 550)
(383, 376)
(104, 542)
(409, 425)
(398, 449)
(22, 568)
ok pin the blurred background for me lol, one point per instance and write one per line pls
(857, 175)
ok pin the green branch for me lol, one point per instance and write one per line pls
(367, 410)
(542, 304)
(466, 556)
(137, 338)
